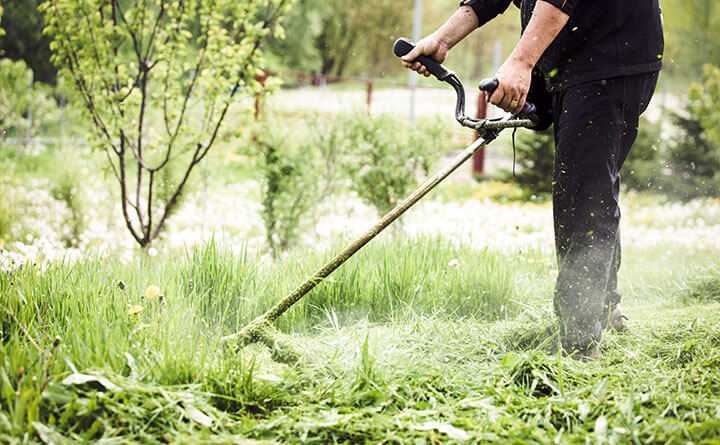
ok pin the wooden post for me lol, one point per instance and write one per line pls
(478, 164)
(261, 78)
(368, 99)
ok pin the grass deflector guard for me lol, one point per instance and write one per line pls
(261, 329)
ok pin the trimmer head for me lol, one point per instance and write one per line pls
(263, 332)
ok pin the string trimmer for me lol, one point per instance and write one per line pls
(261, 329)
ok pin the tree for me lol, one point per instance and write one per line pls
(362, 32)
(334, 37)
(157, 79)
(692, 34)
(695, 148)
(25, 107)
(303, 22)
(24, 40)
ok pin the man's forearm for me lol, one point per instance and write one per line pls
(457, 27)
(545, 25)
(516, 73)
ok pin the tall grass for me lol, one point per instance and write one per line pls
(438, 374)
(385, 282)
(104, 315)
(100, 308)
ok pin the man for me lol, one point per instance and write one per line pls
(591, 68)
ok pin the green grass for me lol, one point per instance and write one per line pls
(414, 341)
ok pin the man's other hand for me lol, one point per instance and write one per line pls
(514, 77)
(429, 46)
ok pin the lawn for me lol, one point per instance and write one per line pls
(415, 341)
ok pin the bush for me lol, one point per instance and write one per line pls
(25, 107)
(8, 213)
(694, 153)
(288, 172)
(66, 188)
(535, 162)
(385, 158)
(644, 167)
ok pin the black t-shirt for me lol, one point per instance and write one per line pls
(603, 38)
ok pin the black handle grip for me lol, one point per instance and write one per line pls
(490, 85)
(403, 46)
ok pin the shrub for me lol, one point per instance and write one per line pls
(66, 188)
(25, 106)
(8, 213)
(385, 158)
(646, 162)
(535, 160)
(289, 179)
(694, 152)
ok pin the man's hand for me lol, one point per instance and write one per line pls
(436, 45)
(516, 74)
(514, 77)
(429, 46)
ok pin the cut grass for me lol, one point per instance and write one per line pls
(398, 354)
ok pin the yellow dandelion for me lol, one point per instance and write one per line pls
(153, 292)
(134, 309)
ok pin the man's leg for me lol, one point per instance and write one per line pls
(590, 122)
(642, 87)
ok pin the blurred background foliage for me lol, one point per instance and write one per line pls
(341, 37)
(677, 155)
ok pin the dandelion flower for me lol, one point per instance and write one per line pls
(134, 309)
(153, 292)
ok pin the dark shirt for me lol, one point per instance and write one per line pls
(602, 39)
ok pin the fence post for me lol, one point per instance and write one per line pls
(478, 165)
(261, 78)
(369, 93)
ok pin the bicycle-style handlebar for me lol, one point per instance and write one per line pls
(527, 118)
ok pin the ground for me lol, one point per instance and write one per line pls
(419, 340)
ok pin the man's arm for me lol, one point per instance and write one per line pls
(436, 45)
(549, 18)
(516, 73)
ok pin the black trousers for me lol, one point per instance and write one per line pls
(596, 124)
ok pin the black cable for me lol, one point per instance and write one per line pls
(514, 151)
